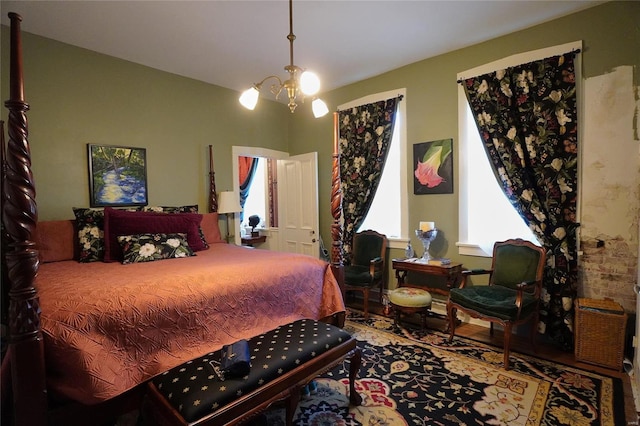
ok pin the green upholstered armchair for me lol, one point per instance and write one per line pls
(368, 256)
(512, 296)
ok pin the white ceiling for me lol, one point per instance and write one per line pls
(236, 43)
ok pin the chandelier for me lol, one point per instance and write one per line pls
(300, 83)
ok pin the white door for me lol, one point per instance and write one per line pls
(298, 221)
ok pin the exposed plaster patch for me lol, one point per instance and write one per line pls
(610, 188)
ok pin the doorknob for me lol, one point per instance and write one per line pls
(313, 240)
(636, 288)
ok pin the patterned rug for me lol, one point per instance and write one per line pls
(409, 377)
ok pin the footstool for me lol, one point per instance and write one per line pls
(283, 360)
(410, 300)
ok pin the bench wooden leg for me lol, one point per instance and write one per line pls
(354, 368)
(292, 404)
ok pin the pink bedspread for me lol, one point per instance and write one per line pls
(108, 327)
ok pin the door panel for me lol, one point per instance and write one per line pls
(298, 204)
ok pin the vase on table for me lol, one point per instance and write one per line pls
(426, 237)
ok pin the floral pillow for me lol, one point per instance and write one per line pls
(150, 247)
(90, 224)
(179, 209)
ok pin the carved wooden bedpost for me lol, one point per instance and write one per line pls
(337, 265)
(213, 195)
(19, 216)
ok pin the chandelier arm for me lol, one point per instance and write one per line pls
(259, 85)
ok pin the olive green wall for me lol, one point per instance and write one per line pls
(611, 37)
(78, 97)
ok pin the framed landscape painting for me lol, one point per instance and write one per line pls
(433, 167)
(117, 176)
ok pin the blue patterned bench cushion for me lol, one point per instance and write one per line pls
(195, 391)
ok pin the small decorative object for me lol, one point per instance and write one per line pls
(117, 176)
(386, 310)
(235, 360)
(409, 253)
(254, 220)
(426, 234)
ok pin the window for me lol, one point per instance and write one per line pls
(389, 210)
(485, 213)
(256, 200)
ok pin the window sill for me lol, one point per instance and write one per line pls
(469, 249)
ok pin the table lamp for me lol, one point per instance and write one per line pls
(228, 204)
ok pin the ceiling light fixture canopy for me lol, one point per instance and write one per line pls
(300, 83)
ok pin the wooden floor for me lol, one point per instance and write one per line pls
(521, 344)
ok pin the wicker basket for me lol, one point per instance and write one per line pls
(600, 332)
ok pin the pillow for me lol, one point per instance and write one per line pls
(210, 228)
(165, 209)
(180, 209)
(55, 240)
(90, 223)
(150, 247)
(120, 222)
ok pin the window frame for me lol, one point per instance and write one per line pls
(465, 245)
(401, 241)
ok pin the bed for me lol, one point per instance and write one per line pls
(90, 334)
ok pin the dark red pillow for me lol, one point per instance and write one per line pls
(121, 222)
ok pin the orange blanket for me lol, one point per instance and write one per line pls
(109, 327)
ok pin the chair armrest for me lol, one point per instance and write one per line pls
(468, 272)
(375, 264)
(476, 271)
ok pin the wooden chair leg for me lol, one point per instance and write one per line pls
(451, 313)
(365, 306)
(396, 316)
(534, 332)
(507, 344)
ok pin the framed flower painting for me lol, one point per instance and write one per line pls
(433, 167)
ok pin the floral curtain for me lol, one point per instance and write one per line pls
(246, 170)
(527, 120)
(365, 135)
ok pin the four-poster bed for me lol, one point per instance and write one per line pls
(70, 357)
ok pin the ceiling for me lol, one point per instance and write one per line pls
(235, 43)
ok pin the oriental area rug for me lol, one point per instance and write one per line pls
(409, 377)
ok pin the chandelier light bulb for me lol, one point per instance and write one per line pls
(319, 108)
(249, 98)
(309, 83)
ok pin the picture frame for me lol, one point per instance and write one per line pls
(433, 167)
(117, 176)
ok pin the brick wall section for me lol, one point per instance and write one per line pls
(609, 271)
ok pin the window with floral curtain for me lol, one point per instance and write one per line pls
(528, 122)
(364, 136)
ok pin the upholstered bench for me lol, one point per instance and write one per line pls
(283, 360)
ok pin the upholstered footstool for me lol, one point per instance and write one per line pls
(410, 300)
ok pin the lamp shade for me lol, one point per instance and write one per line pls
(319, 108)
(228, 202)
(249, 98)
